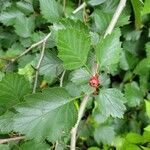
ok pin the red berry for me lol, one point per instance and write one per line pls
(94, 81)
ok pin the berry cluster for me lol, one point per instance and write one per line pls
(94, 81)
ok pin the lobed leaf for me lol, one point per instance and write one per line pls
(49, 114)
(73, 46)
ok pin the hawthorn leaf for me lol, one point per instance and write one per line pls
(130, 34)
(111, 102)
(133, 94)
(30, 145)
(93, 148)
(96, 2)
(51, 67)
(25, 7)
(13, 88)
(147, 104)
(148, 49)
(73, 89)
(142, 67)
(146, 8)
(126, 60)
(103, 15)
(145, 148)
(101, 20)
(77, 24)
(24, 26)
(6, 122)
(73, 46)
(134, 138)
(8, 17)
(80, 76)
(108, 50)
(49, 114)
(129, 146)
(137, 7)
(147, 128)
(50, 10)
(4, 147)
(104, 134)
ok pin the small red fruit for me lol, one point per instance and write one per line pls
(94, 81)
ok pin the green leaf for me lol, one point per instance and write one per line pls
(130, 34)
(148, 49)
(104, 134)
(50, 10)
(93, 148)
(73, 89)
(77, 24)
(147, 104)
(128, 146)
(80, 76)
(145, 148)
(137, 7)
(4, 147)
(13, 88)
(126, 60)
(104, 80)
(51, 67)
(6, 122)
(111, 102)
(146, 8)
(30, 145)
(108, 50)
(147, 128)
(49, 114)
(134, 138)
(8, 17)
(146, 136)
(101, 20)
(133, 94)
(142, 67)
(27, 71)
(25, 7)
(103, 14)
(24, 26)
(14, 50)
(96, 2)
(73, 46)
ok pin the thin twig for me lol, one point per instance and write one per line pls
(79, 3)
(5, 59)
(80, 115)
(11, 139)
(79, 8)
(62, 78)
(115, 17)
(26, 51)
(38, 67)
(64, 6)
(56, 145)
(33, 46)
(95, 68)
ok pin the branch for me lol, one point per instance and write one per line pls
(38, 66)
(62, 78)
(79, 8)
(115, 17)
(26, 51)
(33, 46)
(79, 3)
(64, 6)
(80, 115)
(11, 139)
